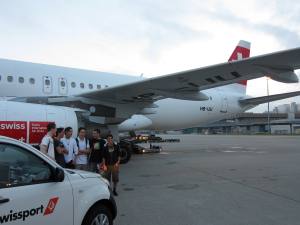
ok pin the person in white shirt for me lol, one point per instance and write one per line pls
(83, 150)
(71, 146)
(47, 144)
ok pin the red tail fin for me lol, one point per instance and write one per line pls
(241, 51)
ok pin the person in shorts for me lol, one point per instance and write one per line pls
(111, 160)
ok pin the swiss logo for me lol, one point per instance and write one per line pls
(51, 206)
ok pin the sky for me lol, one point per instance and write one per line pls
(149, 37)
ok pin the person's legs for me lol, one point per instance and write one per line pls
(70, 165)
(108, 173)
(81, 167)
(115, 179)
(85, 167)
(78, 167)
(93, 167)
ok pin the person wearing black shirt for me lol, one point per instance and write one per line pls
(111, 160)
(59, 148)
(97, 148)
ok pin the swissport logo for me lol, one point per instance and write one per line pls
(25, 214)
(51, 206)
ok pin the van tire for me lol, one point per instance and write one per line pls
(95, 212)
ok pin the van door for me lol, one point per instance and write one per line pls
(62, 86)
(28, 194)
(47, 85)
(57, 115)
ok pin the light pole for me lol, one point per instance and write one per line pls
(268, 93)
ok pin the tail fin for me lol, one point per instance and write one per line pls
(241, 51)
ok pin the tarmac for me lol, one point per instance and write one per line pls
(213, 180)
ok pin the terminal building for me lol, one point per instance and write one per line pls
(284, 119)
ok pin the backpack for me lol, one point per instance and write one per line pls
(77, 142)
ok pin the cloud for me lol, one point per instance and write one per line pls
(286, 37)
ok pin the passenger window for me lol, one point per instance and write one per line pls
(90, 86)
(47, 82)
(19, 167)
(106, 86)
(31, 81)
(73, 85)
(98, 86)
(0, 77)
(82, 85)
(21, 80)
(62, 83)
(10, 78)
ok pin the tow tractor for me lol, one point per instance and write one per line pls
(138, 144)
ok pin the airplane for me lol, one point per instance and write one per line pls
(124, 103)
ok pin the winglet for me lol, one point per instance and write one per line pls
(241, 51)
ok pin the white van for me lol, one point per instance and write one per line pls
(35, 190)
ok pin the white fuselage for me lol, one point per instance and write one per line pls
(22, 79)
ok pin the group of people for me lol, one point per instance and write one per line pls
(95, 155)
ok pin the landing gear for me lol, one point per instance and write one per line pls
(126, 151)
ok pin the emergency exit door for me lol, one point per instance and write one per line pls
(62, 86)
(224, 105)
(47, 85)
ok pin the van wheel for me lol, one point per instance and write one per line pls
(98, 215)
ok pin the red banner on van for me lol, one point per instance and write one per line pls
(37, 131)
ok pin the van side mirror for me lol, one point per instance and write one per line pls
(59, 174)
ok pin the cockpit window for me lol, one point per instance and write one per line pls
(82, 85)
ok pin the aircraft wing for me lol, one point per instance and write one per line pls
(187, 84)
(270, 98)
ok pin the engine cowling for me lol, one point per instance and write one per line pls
(136, 122)
(285, 77)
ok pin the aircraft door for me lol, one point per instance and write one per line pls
(224, 105)
(47, 85)
(62, 86)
